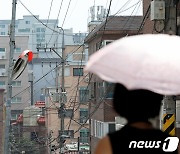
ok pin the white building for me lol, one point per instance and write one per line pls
(42, 32)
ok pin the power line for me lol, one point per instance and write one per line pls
(77, 88)
(144, 19)
(56, 22)
(131, 14)
(49, 11)
(38, 19)
(66, 13)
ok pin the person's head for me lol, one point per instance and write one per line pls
(136, 105)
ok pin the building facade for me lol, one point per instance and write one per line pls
(76, 123)
(102, 119)
(29, 133)
(20, 90)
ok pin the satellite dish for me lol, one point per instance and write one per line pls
(25, 57)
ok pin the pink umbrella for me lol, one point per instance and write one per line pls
(149, 61)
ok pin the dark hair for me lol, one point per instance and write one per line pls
(136, 105)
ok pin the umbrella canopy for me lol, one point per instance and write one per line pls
(149, 61)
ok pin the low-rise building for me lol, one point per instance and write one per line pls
(30, 129)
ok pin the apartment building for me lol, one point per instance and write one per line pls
(20, 90)
(43, 35)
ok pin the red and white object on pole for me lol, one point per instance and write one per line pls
(25, 57)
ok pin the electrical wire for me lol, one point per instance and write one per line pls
(131, 15)
(49, 11)
(37, 18)
(56, 22)
(77, 88)
(66, 13)
(145, 17)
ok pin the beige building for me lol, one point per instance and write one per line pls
(76, 124)
(1, 120)
(20, 90)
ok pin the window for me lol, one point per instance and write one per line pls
(101, 93)
(109, 88)
(2, 50)
(2, 26)
(16, 83)
(79, 57)
(112, 128)
(99, 45)
(83, 115)
(18, 50)
(93, 90)
(3, 33)
(25, 30)
(40, 37)
(40, 40)
(2, 83)
(27, 22)
(84, 136)
(16, 100)
(40, 45)
(83, 95)
(2, 66)
(15, 114)
(40, 29)
(77, 71)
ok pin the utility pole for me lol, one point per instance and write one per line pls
(169, 102)
(163, 13)
(63, 95)
(9, 90)
(31, 82)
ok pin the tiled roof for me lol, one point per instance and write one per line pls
(40, 104)
(118, 23)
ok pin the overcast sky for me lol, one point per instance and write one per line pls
(77, 15)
